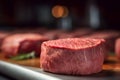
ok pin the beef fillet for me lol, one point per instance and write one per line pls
(109, 36)
(22, 43)
(2, 36)
(75, 56)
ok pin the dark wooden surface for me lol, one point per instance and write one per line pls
(29, 62)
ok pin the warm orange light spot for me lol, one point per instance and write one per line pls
(59, 11)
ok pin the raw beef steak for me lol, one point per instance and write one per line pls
(75, 56)
(22, 43)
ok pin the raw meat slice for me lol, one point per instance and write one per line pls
(75, 56)
(22, 43)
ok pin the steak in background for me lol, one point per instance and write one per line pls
(74, 56)
(52, 34)
(109, 36)
(117, 48)
(75, 33)
(2, 36)
(59, 34)
(22, 43)
(82, 32)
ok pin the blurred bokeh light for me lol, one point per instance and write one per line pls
(59, 11)
(103, 14)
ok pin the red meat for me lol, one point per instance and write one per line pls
(117, 48)
(22, 43)
(52, 34)
(2, 36)
(75, 33)
(59, 34)
(109, 36)
(75, 56)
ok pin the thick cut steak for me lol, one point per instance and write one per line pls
(75, 56)
(22, 43)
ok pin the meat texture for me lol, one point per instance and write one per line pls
(52, 34)
(2, 36)
(74, 56)
(109, 36)
(117, 47)
(22, 43)
(75, 33)
(59, 34)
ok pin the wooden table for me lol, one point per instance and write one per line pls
(29, 62)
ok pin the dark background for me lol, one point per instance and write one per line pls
(30, 9)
